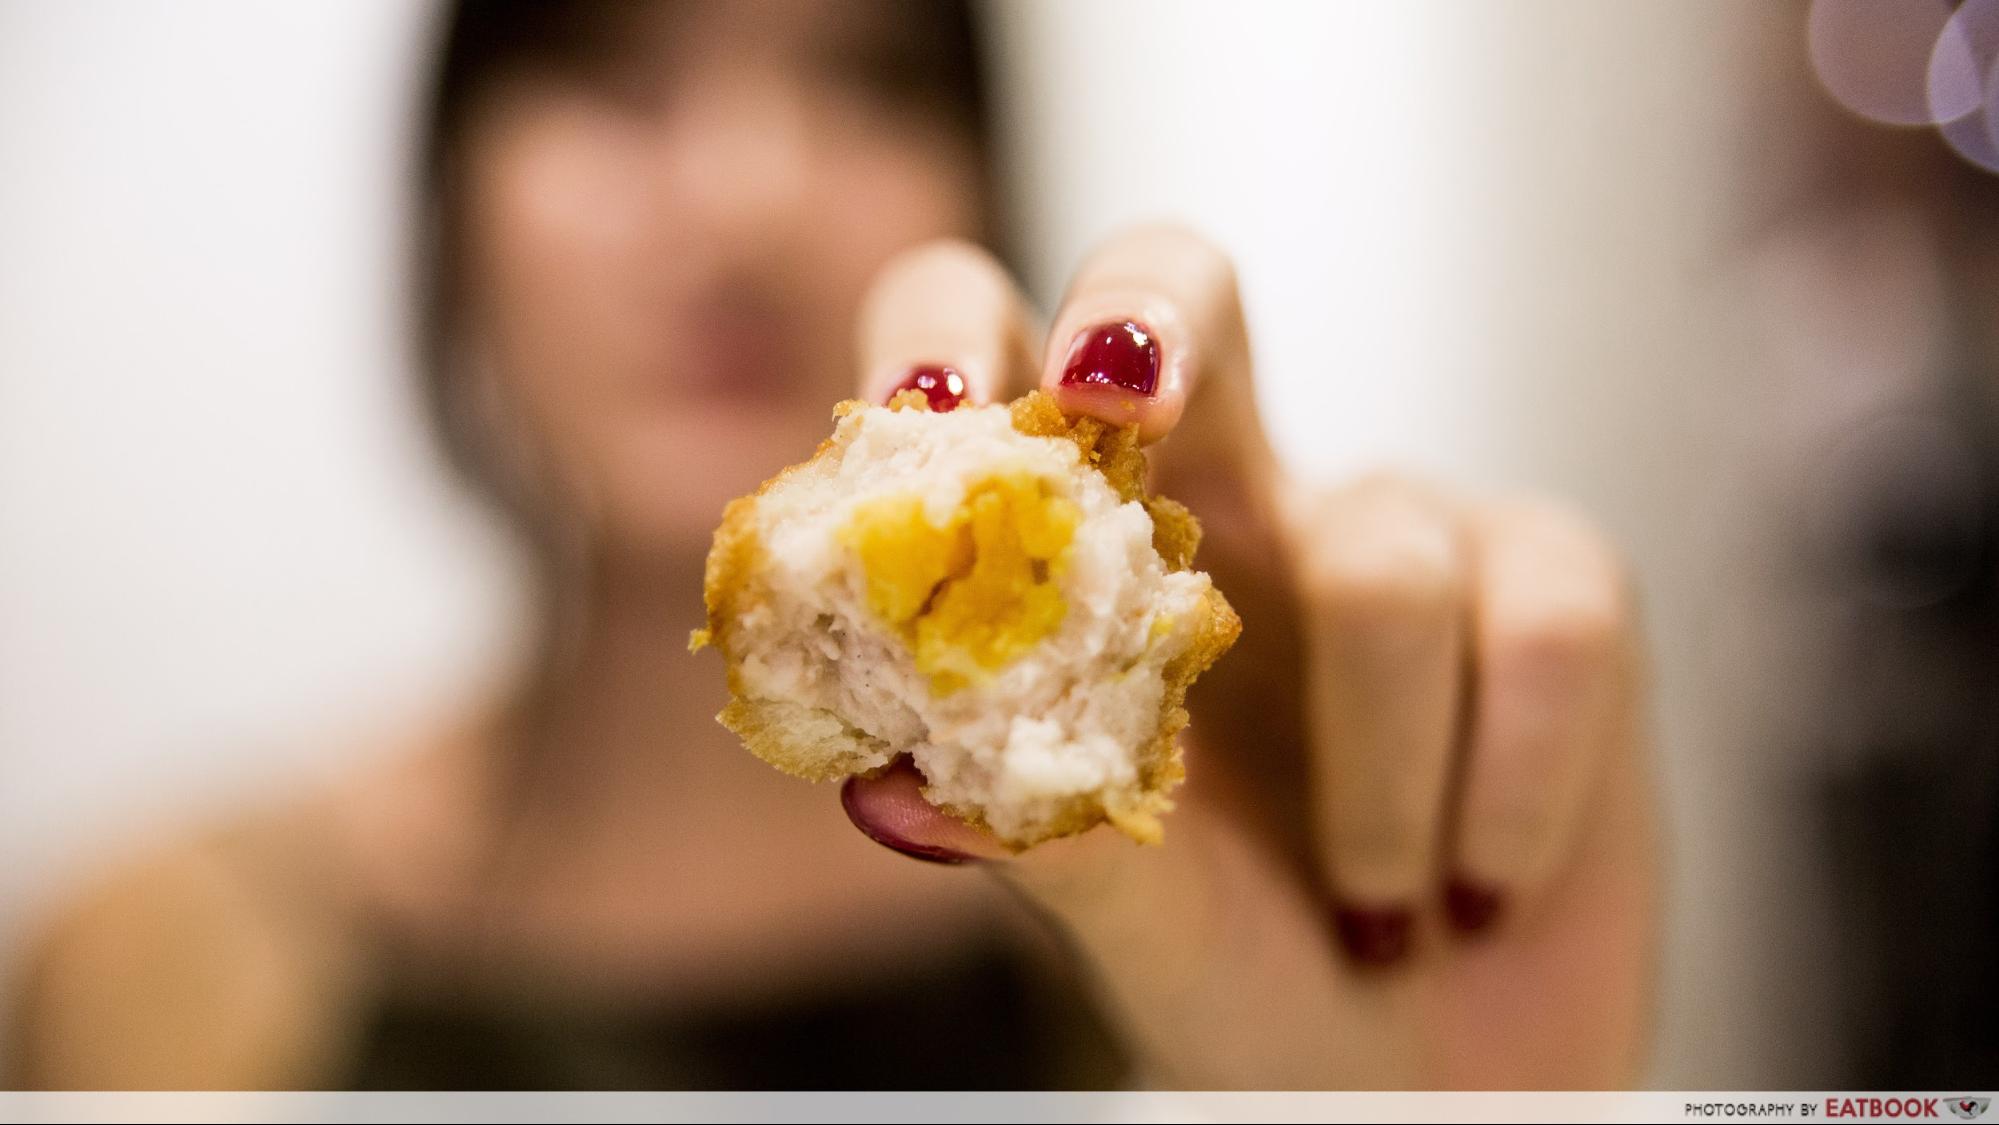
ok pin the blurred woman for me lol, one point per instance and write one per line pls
(1417, 844)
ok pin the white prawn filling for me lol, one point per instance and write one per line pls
(1067, 717)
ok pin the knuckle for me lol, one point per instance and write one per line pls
(1199, 255)
(1187, 243)
(1375, 558)
(1212, 272)
(920, 268)
(1566, 637)
(1566, 606)
(1384, 584)
(1173, 248)
(1558, 528)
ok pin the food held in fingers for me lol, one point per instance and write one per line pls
(990, 591)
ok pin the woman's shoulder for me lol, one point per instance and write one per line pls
(227, 950)
(187, 959)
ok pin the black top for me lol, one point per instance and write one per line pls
(985, 1019)
(1910, 739)
(1910, 720)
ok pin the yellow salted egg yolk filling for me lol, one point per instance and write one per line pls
(976, 593)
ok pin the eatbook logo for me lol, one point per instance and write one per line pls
(1970, 1109)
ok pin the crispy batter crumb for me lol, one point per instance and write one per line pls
(821, 746)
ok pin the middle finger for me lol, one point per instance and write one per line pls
(1383, 584)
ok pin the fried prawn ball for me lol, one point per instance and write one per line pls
(988, 590)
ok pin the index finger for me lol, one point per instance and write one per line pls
(1153, 322)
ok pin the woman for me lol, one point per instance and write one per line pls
(1417, 844)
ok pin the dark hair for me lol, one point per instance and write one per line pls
(483, 44)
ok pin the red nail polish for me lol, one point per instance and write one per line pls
(1472, 907)
(943, 386)
(929, 853)
(1124, 354)
(1376, 937)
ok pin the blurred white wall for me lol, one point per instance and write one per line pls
(222, 546)
(1469, 237)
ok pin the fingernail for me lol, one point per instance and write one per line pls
(1377, 937)
(1472, 906)
(929, 853)
(943, 386)
(1123, 354)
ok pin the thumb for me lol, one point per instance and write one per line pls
(1205, 946)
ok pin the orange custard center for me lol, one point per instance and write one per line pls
(977, 593)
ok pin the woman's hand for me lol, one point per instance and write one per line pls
(1417, 843)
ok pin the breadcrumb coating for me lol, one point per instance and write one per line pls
(919, 571)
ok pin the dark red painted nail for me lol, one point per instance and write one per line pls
(943, 386)
(928, 852)
(1377, 937)
(1472, 907)
(1124, 354)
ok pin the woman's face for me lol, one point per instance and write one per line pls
(665, 251)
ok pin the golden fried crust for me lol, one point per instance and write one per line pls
(733, 556)
(802, 741)
(1114, 450)
(819, 745)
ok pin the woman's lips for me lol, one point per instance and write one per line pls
(737, 348)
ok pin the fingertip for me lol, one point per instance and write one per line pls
(1120, 369)
(889, 808)
(1106, 404)
(1120, 354)
(947, 305)
(1473, 906)
(944, 387)
(1376, 936)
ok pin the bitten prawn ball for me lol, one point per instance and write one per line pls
(988, 590)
